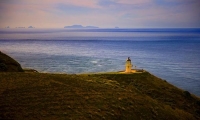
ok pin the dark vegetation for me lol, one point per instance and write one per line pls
(7, 64)
(106, 96)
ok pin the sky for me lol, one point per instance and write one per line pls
(101, 13)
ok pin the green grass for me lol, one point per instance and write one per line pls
(93, 96)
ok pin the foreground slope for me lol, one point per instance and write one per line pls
(93, 96)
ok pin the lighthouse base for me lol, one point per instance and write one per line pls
(133, 71)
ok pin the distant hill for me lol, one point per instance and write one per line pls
(81, 27)
(8, 64)
(31, 27)
(20, 27)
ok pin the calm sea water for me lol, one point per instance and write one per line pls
(171, 54)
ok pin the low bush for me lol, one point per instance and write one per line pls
(3, 67)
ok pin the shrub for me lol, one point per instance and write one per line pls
(3, 67)
(186, 94)
(198, 102)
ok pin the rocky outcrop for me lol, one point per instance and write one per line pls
(8, 64)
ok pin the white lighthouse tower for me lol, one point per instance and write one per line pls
(128, 65)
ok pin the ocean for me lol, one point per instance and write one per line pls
(171, 54)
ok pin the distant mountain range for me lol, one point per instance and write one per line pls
(80, 27)
(22, 27)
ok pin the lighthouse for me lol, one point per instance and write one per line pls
(128, 65)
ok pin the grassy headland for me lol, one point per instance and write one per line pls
(32, 95)
(93, 96)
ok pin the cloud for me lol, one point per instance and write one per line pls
(122, 13)
(107, 3)
(72, 10)
(85, 3)
(134, 2)
(181, 15)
